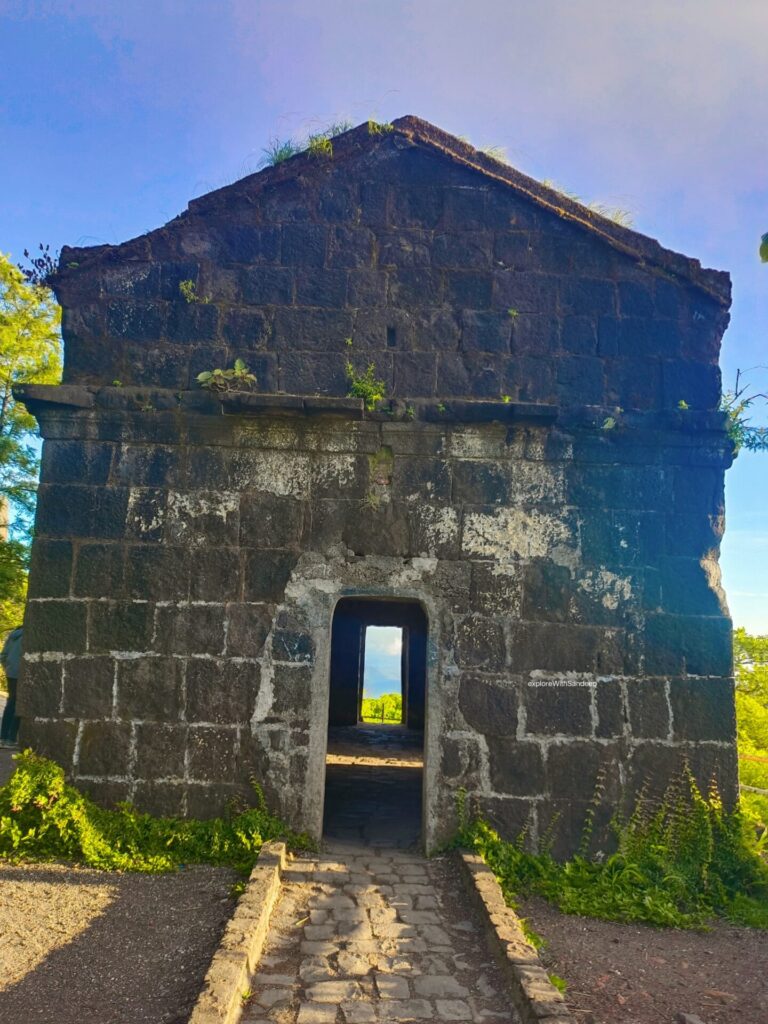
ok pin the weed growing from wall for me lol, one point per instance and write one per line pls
(365, 385)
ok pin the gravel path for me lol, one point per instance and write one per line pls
(364, 935)
(81, 945)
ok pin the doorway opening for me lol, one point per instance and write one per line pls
(374, 765)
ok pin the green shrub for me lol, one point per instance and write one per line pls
(365, 385)
(679, 862)
(43, 818)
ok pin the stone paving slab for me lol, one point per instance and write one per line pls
(347, 947)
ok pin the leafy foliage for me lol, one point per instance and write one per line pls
(43, 818)
(39, 269)
(366, 385)
(30, 351)
(386, 708)
(237, 378)
(750, 657)
(14, 562)
(188, 291)
(735, 404)
(679, 862)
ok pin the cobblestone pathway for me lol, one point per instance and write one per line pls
(364, 936)
(372, 930)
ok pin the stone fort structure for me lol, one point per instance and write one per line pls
(537, 501)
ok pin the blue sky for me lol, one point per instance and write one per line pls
(381, 671)
(113, 115)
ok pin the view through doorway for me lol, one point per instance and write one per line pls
(374, 765)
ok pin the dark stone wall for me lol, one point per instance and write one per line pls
(449, 282)
(530, 481)
(186, 568)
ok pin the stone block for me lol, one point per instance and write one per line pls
(146, 515)
(636, 299)
(76, 462)
(147, 466)
(417, 206)
(686, 588)
(480, 644)
(267, 286)
(489, 705)
(509, 815)
(190, 629)
(266, 574)
(463, 250)
(221, 692)
(610, 708)
(697, 490)
(73, 511)
(698, 645)
(587, 296)
(415, 286)
(693, 534)
(157, 573)
(314, 373)
(211, 753)
(547, 592)
(104, 749)
(524, 292)
(89, 684)
(534, 334)
(415, 374)
(247, 629)
(554, 647)
(163, 799)
(245, 243)
(350, 247)
(557, 708)
(292, 687)
(246, 330)
(55, 625)
(648, 709)
(135, 320)
(40, 689)
(579, 335)
(517, 768)
(50, 569)
(469, 289)
(304, 245)
(325, 288)
(98, 571)
(697, 384)
(483, 331)
(214, 575)
(417, 479)
(150, 689)
(120, 626)
(580, 380)
(192, 322)
(160, 749)
(703, 709)
(53, 739)
(313, 330)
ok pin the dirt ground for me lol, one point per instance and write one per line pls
(641, 975)
(80, 945)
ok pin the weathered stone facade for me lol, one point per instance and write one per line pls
(531, 483)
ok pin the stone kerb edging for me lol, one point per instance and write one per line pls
(535, 997)
(221, 998)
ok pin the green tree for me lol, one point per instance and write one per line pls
(750, 656)
(30, 351)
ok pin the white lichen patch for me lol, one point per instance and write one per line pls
(536, 483)
(338, 470)
(520, 533)
(610, 589)
(274, 472)
(143, 517)
(437, 527)
(478, 442)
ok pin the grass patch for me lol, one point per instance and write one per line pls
(680, 862)
(43, 818)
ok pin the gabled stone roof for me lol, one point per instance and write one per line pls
(413, 131)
